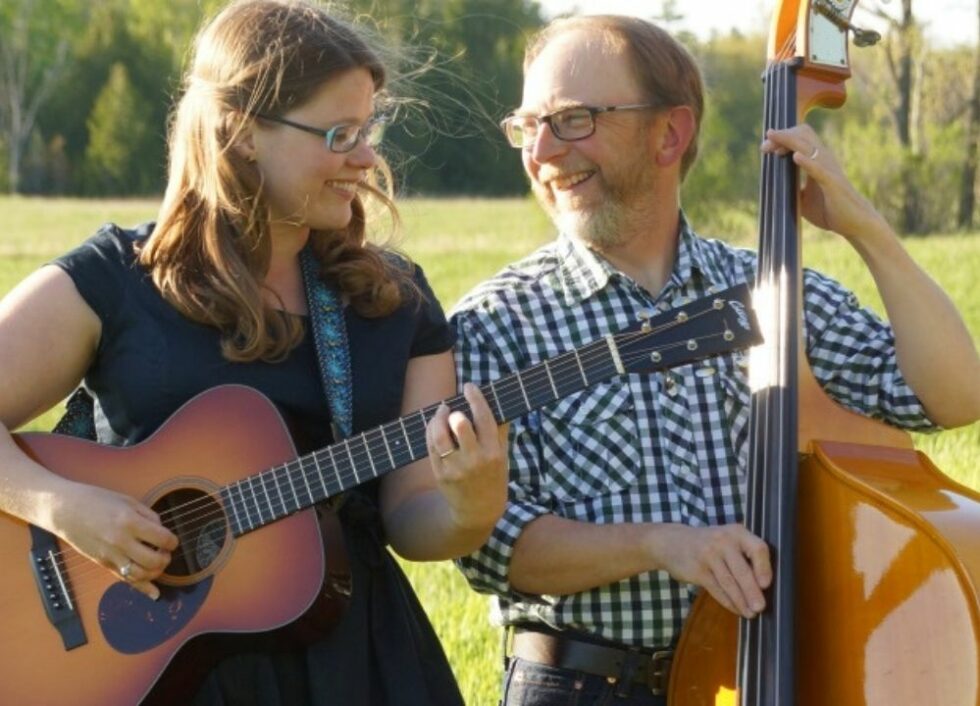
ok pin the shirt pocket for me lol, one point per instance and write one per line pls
(590, 444)
(736, 397)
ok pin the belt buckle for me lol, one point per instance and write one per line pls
(658, 671)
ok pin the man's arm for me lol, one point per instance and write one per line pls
(556, 556)
(935, 351)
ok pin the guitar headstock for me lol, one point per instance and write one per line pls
(708, 326)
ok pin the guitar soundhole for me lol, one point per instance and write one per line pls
(199, 522)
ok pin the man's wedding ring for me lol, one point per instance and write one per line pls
(444, 454)
(126, 570)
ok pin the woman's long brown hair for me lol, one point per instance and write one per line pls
(211, 247)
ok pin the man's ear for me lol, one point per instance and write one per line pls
(675, 132)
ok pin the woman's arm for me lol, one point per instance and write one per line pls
(441, 508)
(48, 336)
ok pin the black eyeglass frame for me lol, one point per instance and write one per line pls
(329, 134)
(549, 120)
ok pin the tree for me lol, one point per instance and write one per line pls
(118, 130)
(34, 50)
(904, 47)
(968, 178)
(466, 74)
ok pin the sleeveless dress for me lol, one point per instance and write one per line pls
(151, 360)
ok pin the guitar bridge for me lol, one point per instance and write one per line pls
(53, 588)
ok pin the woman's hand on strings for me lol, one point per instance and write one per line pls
(116, 531)
(470, 460)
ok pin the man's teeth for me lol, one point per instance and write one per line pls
(567, 182)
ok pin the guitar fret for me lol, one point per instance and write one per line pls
(274, 477)
(255, 497)
(496, 399)
(289, 477)
(370, 456)
(578, 360)
(306, 480)
(230, 502)
(424, 450)
(319, 472)
(244, 505)
(408, 443)
(353, 466)
(263, 477)
(520, 384)
(391, 456)
(551, 380)
(336, 468)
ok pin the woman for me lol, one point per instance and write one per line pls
(271, 152)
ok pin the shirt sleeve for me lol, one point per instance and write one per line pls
(852, 354)
(98, 269)
(432, 333)
(480, 360)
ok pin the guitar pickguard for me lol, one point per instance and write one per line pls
(132, 623)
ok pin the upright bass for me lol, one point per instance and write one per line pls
(876, 553)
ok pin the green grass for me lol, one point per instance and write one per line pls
(459, 242)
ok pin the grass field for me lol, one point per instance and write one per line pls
(459, 242)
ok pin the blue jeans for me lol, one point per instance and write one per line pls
(532, 684)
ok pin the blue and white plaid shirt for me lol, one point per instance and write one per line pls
(667, 447)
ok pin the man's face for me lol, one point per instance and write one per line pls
(588, 186)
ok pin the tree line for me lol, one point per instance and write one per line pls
(86, 88)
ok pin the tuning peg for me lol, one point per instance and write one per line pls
(864, 37)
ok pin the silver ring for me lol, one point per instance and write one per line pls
(126, 570)
(816, 151)
(448, 453)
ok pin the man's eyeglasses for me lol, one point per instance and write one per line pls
(340, 138)
(568, 124)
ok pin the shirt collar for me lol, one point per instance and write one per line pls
(583, 272)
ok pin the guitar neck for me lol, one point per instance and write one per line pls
(280, 491)
(705, 327)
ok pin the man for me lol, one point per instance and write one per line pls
(625, 498)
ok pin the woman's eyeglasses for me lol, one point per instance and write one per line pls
(339, 138)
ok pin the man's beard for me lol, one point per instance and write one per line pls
(602, 226)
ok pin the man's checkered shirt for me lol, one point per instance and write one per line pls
(666, 447)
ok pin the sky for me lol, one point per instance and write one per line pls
(948, 22)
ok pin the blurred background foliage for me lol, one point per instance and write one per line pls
(86, 89)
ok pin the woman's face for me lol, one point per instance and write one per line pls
(307, 185)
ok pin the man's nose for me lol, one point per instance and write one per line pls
(546, 145)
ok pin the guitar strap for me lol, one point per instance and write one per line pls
(332, 353)
(330, 339)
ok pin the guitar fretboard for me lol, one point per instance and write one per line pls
(280, 491)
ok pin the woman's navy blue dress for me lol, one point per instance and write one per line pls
(151, 360)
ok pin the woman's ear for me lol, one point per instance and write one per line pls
(244, 144)
(676, 129)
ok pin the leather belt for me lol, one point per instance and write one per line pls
(616, 664)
